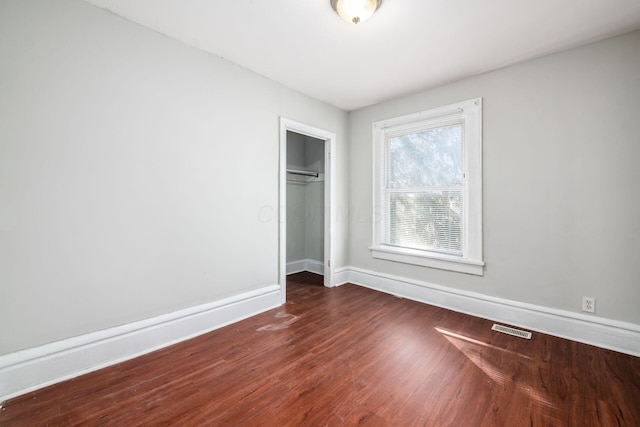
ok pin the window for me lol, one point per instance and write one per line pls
(428, 188)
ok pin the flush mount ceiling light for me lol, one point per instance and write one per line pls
(355, 11)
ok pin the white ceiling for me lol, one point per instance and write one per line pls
(408, 45)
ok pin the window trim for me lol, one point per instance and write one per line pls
(471, 261)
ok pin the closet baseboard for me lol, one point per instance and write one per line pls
(311, 265)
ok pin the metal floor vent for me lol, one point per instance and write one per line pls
(511, 331)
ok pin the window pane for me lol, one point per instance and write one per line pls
(429, 158)
(427, 220)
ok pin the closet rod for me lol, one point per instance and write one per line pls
(305, 173)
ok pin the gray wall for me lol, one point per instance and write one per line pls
(561, 174)
(121, 199)
(121, 194)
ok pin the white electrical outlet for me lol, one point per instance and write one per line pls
(589, 304)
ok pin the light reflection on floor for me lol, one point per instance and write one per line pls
(487, 357)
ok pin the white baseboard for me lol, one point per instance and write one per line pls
(305, 265)
(37, 367)
(341, 276)
(610, 334)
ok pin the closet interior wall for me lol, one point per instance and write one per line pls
(305, 204)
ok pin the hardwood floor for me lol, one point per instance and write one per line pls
(350, 356)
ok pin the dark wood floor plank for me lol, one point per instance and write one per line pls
(349, 356)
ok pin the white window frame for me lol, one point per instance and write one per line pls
(471, 260)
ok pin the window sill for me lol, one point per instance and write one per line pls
(429, 259)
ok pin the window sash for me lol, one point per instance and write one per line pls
(429, 227)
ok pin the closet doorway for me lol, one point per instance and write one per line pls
(306, 201)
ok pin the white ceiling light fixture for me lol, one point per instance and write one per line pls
(355, 11)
